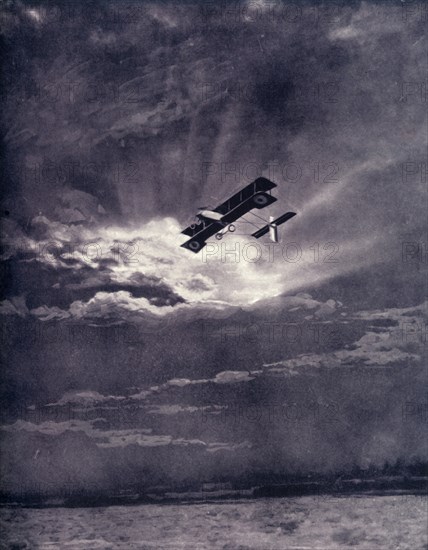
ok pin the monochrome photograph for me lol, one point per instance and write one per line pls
(214, 248)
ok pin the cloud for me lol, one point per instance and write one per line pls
(300, 302)
(397, 314)
(50, 427)
(84, 398)
(148, 263)
(173, 409)
(35, 15)
(141, 395)
(345, 33)
(102, 438)
(232, 377)
(45, 313)
(231, 447)
(124, 438)
(297, 365)
(375, 349)
(14, 306)
(224, 377)
(109, 439)
(115, 304)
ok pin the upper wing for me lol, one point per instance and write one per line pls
(245, 207)
(260, 184)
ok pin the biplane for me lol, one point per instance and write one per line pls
(220, 220)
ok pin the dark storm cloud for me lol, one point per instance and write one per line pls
(148, 117)
(344, 395)
(45, 285)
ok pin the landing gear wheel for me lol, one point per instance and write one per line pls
(194, 245)
(219, 236)
(260, 199)
(232, 228)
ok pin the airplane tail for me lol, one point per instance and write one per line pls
(273, 230)
(272, 226)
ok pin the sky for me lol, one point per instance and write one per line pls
(121, 348)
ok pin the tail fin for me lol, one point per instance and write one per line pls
(265, 229)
